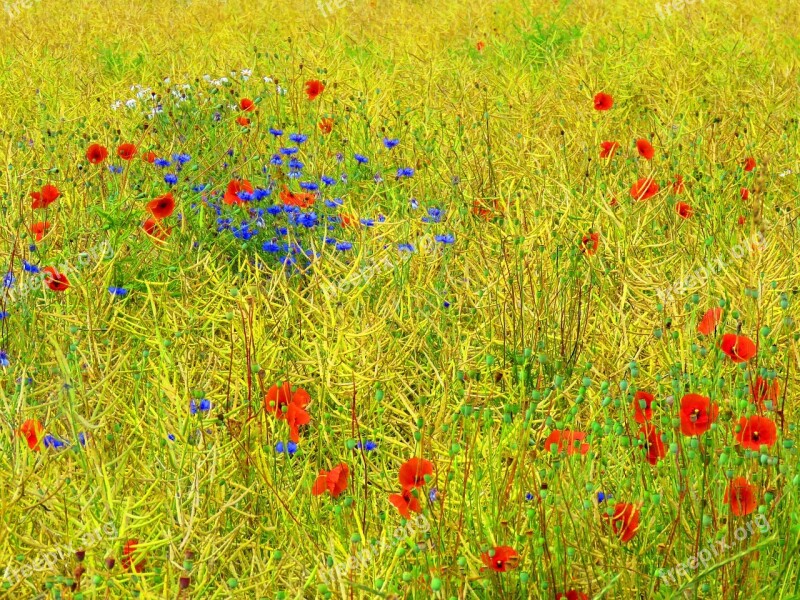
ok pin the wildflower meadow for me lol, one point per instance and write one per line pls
(400, 299)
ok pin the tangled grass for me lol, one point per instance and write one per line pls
(503, 325)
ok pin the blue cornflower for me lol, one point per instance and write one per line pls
(199, 187)
(330, 241)
(339, 157)
(344, 246)
(288, 151)
(181, 159)
(276, 160)
(53, 442)
(245, 196)
(334, 203)
(282, 231)
(115, 169)
(343, 178)
(4, 362)
(223, 224)
(404, 172)
(193, 407)
(295, 174)
(368, 222)
(276, 132)
(32, 247)
(447, 238)
(377, 177)
(8, 279)
(3, 315)
(205, 405)
(405, 247)
(298, 138)
(600, 497)
(369, 445)
(244, 232)
(434, 216)
(361, 159)
(271, 247)
(161, 162)
(171, 179)
(446, 304)
(117, 291)
(217, 116)
(433, 493)
(171, 437)
(274, 209)
(82, 438)
(229, 151)
(413, 203)
(290, 448)
(261, 193)
(296, 164)
(528, 496)
(26, 266)
(308, 220)
(390, 143)
(309, 186)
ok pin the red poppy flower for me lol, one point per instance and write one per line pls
(156, 230)
(348, 220)
(33, 432)
(709, 322)
(45, 197)
(326, 125)
(625, 520)
(162, 206)
(480, 45)
(406, 502)
(278, 397)
(590, 243)
(480, 208)
(642, 414)
(567, 441)
(413, 471)
(296, 416)
(613, 202)
(749, 163)
(678, 185)
(333, 481)
(234, 187)
(603, 101)
(127, 554)
(740, 496)
(684, 210)
(656, 450)
(644, 188)
(243, 121)
(739, 348)
(763, 390)
(645, 149)
(608, 149)
(502, 559)
(744, 193)
(39, 229)
(741, 220)
(756, 431)
(571, 595)
(314, 88)
(697, 414)
(96, 154)
(299, 199)
(247, 105)
(126, 151)
(149, 157)
(56, 281)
